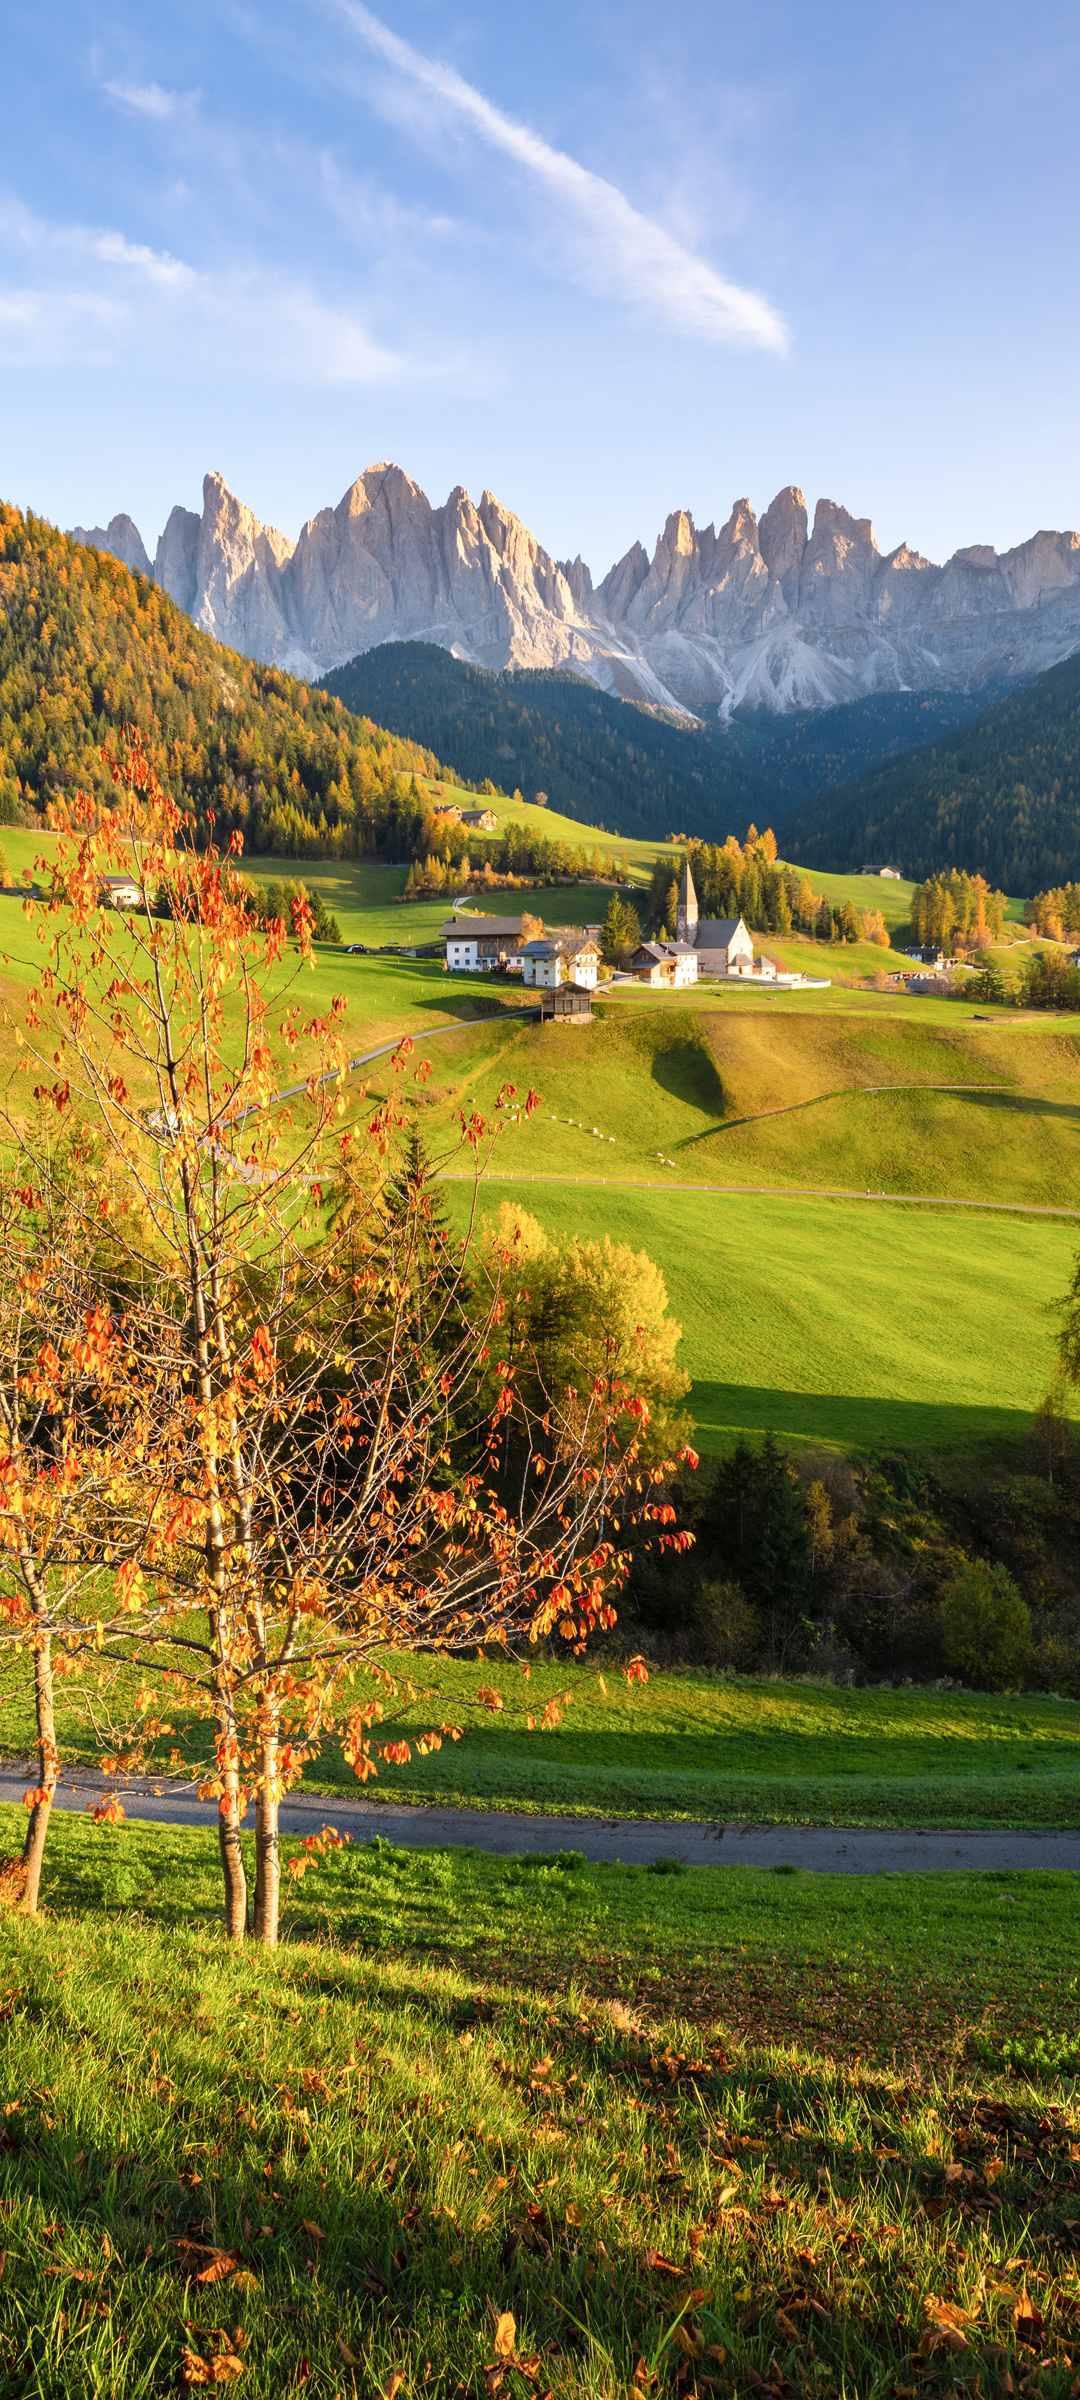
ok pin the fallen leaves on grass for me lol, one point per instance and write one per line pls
(221, 2362)
(219, 2263)
(945, 2327)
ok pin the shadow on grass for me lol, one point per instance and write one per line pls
(851, 1420)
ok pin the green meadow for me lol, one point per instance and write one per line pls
(701, 1747)
(847, 1323)
(533, 2125)
(685, 1745)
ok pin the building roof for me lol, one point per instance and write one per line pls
(717, 933)
(539, 949)
(659, 951)
(474, 929)
(687, 894)
(675, 949)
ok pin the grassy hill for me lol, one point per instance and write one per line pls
(602, 761)
(845, 1322)
(1001, 796)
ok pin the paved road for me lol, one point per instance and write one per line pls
(828, 1850)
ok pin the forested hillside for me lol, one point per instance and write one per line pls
(86, 647)
(601, 761)
(806, 750)
(1000, 797)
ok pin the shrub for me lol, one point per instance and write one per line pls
(987, 1627)
(728, 1628)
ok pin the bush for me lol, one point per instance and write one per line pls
(987, 1627)
(728, 1628)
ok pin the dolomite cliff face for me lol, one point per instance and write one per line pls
(776, 614)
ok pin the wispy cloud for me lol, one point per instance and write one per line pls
(626, 250)
(148, 98)
(94, 297)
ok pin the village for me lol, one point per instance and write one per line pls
(567, 960)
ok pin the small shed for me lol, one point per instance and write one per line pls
(570, 1004)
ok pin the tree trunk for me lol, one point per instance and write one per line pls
(267, 1857)
(233, 1870)
(34, 1845)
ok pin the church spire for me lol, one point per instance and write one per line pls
(687, 911)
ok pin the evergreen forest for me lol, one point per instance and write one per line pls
(86, 648)
(1000, 797)
(605, 762)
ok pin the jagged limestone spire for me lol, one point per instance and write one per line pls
(686, 915)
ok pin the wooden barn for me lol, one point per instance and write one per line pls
(569, 1004)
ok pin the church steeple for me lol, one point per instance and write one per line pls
(687, 913)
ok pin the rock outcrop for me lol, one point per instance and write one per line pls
(776, 614)
(120, 536)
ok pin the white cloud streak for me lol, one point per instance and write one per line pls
(148, 98)
(626, 250)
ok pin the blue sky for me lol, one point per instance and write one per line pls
(606, 257)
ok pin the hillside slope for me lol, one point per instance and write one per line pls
(601, 761)
(87, 647)
(1001, 796)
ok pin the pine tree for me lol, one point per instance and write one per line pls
(781, 1569)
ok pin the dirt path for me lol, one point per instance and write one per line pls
(826, 1850)
(778, 1191)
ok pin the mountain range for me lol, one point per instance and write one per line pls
(766, 614)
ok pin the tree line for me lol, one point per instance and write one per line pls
(747, 880)
(956, 909)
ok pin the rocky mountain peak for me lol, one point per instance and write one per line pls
(782, 535)
(765, 614)
(121, 538)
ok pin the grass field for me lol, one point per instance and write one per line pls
(752, 2131)
(834, 1323)
(696, 1746)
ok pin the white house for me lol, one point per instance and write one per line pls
(478, 945)
(562, 956)
(686, 961)
(121, 891)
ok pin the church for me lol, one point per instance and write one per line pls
(721, 945)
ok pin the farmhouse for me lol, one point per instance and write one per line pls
(479, 820)
(120, 891)
(722, 945)
(893, 873)
(651, 964)
(566, 954)
(479, 945)
(685, 960)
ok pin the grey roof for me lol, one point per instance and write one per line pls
(473, 929)
(660, 951)
(717, 933)
(539, 949)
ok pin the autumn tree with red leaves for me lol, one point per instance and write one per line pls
(320, 1488)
